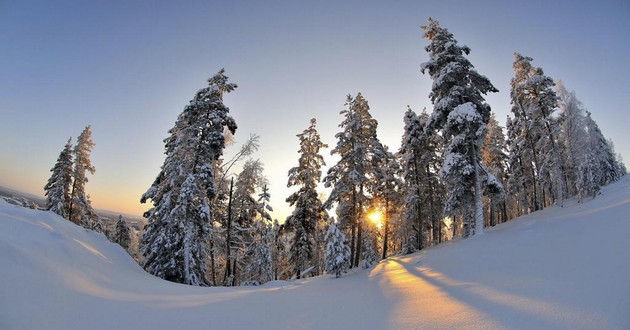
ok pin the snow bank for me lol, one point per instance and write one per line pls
(558, 268)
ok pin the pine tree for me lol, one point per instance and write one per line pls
(495, 158)
(388, 193)
(259, 265)
(423, 190)
(308, 213)
(580, 159)
(57, 189)
(350, 177)
(121, 234)
(337, 251)
(80, 210)
(180, 221)
(534, 102)
(461, 115)
(244, 208)
(604, 153)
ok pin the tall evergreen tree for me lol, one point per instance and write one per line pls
(580, 159)
(388, 194)
(534, 102)
(604, 153)
(57, 189)
(308, 214)
(80, 210)
(244, 209)
(350, 177)
(461, 115)
(180, 221)
(423, 189)
(495, 158)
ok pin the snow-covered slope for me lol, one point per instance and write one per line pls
(558, 268)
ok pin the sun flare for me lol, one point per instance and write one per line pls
(376, 216)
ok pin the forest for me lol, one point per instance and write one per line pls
(456, 172)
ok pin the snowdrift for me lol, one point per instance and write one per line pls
(558, 268)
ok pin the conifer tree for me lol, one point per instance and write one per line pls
(580, 159)
(244, 208)
(350, 177)
(57, 189)
(534, 102)
(495, 158)
(604, 153)
(180, 221)
(308, 213)
(423, 189)
(258, 254)
(121, 234)
(80, 210)
(337, 251)
(461, 115)
(387, 193)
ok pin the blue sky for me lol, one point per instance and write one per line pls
(128, 68)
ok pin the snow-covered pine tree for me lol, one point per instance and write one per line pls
(180, 222)
(534, 102)
(607, 167)
(495, 158)
(220, 203)
(308, 214)
(522, 170)
(580, 159)
(80, 210)
(244, 208)
(121, 234)
(387, 193)
(352, 173)
(258, 254)
(57, 189)
(423, 191)
(337, 251)
(461, 115)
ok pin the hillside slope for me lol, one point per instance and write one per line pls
(558, 268)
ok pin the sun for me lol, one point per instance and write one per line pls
(376, 216)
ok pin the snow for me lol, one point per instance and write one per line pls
(557, 268)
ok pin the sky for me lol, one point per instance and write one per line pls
(128, 68)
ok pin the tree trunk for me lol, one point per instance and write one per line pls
(478, 201)
(359, 219)
(228, 245)
(353, 228)
(386, 231)
(212, 270)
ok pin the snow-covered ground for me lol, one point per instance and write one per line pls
(559, 268)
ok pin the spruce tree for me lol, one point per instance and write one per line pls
(308, 214)
(337, 251)
(580, 159)
(604, 153)
(423, 191)
(534, 102)
(258, 254)
(495, 158)
(80, 210)
(351, 175)
(57, 189)
(180, 221)
(244, 208)
(121, 234)
(461, 115)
